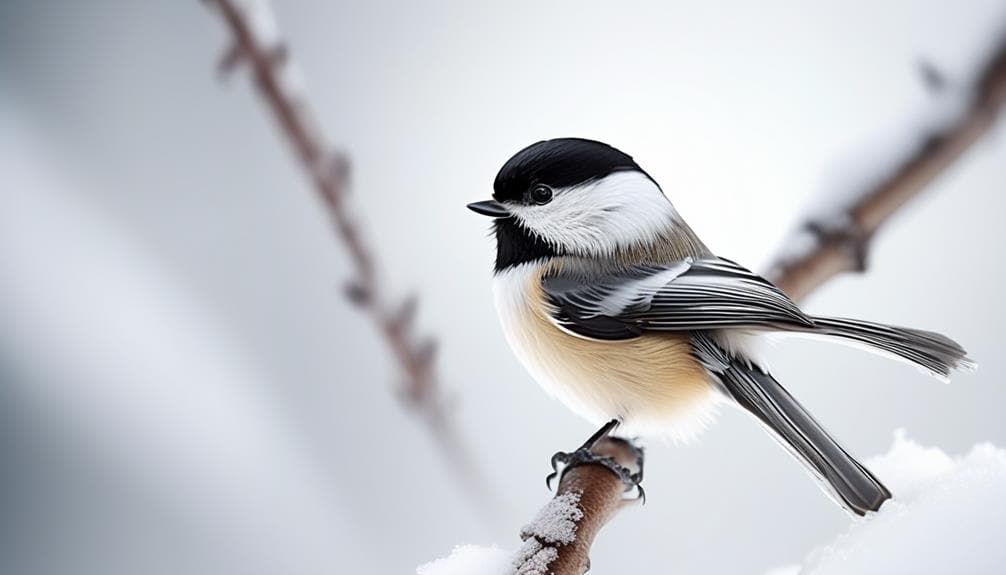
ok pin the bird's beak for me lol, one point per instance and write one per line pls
(490, 208)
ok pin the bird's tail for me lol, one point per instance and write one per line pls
(935, 353)
(844, 478)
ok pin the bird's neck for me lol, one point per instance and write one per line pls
(676, 243)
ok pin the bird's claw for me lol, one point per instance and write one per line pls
(584, 456)
(559, 457)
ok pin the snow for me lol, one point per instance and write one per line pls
(948, 516)
(470, 560)
(555, 524)
(533, 558)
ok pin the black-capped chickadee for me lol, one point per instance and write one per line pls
(617, 308)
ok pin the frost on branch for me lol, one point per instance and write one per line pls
(558, 540)
(556, 522)
(533, 558)
(555, 525)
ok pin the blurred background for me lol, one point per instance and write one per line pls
(185, 389)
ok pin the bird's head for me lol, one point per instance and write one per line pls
(571, 196)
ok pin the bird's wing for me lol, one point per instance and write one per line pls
(692, 294)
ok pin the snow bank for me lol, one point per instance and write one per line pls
(948, 516)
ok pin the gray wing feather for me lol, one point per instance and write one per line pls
(718, 293)
(683, 296)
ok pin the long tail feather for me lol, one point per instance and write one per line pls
(849, 483)
(758, 393)
(937, 354)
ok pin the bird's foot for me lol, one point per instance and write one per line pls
(563, 462)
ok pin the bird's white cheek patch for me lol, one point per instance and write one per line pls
(621, 210)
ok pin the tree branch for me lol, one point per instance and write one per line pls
(838, 242)
(558, 541)
(256, 43)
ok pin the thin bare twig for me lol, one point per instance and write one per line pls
(558, 541)
(255, 43)
(840, 241)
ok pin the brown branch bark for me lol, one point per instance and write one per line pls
(840, 241)
(328, 172)
(558, 541)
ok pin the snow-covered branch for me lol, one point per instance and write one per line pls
(834, 243)
(558, 540)
(256, 43)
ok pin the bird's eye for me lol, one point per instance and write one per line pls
(541, 194)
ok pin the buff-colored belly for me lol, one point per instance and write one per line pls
(652, 382)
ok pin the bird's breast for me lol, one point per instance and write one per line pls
(652, 382)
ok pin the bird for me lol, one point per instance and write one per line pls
(617, 308)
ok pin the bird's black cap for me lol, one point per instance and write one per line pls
(558, 163)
